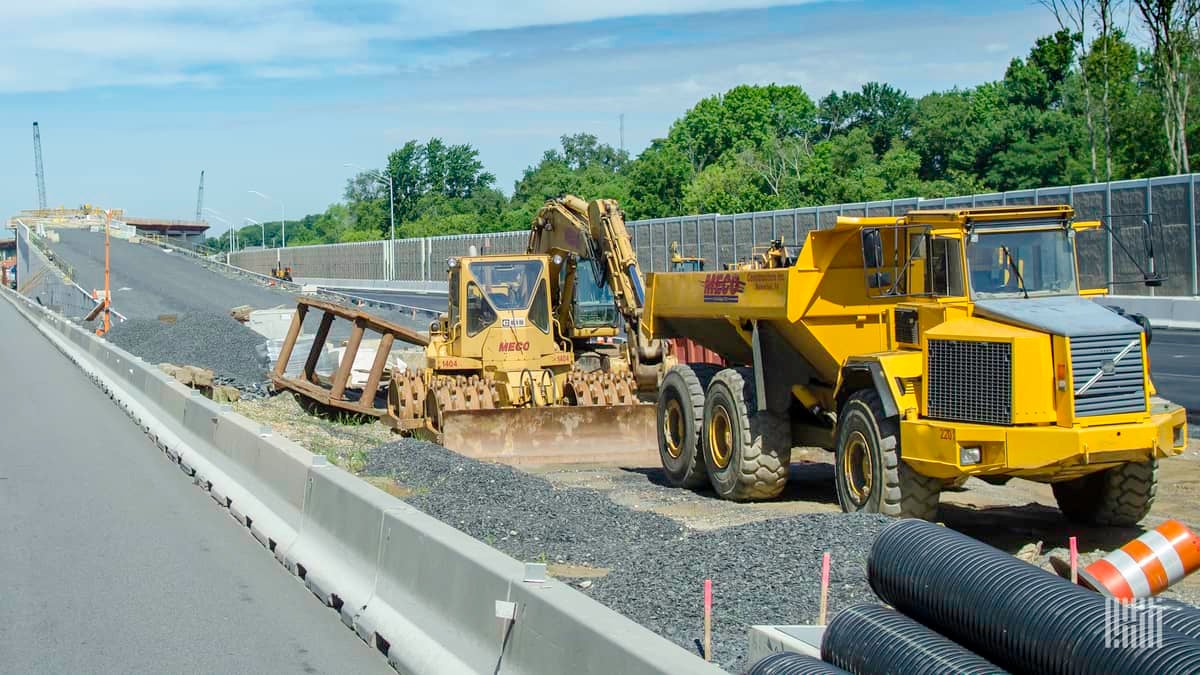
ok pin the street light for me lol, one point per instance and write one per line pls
(391, 194)
(282, 225)
(232, 233)
(264, 231)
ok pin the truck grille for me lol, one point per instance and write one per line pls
(970, 381)
(1103, 383)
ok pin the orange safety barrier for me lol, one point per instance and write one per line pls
(1147, 565)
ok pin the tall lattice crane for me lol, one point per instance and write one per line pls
(38, 171)
(200, 199)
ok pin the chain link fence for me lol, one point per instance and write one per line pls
(1169, 203)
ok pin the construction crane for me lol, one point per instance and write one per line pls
(38, 171)
(200, 199)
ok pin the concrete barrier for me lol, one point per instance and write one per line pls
(1180, 313)
(337, 552)
(427, 595)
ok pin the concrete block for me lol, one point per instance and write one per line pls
(766, 640)
(200, 416)
(337, 551)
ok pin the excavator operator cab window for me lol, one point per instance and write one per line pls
(594, 306)
(480, 313)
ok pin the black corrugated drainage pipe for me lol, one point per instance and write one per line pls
(1017, 616)
(791, 663)
(1179, 616)
(869, 638)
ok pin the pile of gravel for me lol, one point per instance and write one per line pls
(213, 341)
(763, 572)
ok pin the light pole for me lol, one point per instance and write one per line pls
(282, 225)
(386, 180)
(391, 214)
(264, 231)
(232, 232)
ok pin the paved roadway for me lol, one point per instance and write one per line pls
(1175, 368)
(113, 562)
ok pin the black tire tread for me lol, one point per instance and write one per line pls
(766, 442)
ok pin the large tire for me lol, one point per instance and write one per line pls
(1120, 496)
(746, 451)
(870, 475)
(679, 415)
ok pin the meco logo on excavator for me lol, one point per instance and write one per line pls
(514, 346)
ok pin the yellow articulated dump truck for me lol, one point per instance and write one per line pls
(921, 350)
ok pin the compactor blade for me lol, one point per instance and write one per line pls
(621, 435)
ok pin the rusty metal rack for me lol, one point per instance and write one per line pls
(335, 396)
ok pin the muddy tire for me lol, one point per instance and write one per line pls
(868, 471)
(746, 451)
(680, 415)
(1120, 496)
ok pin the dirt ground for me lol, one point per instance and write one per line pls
(1021, 514)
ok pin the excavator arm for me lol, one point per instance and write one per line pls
(575, 232)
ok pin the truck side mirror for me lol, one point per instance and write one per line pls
(872, 248)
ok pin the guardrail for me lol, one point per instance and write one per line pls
(429, 597)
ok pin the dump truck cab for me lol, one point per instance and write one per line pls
(921, 350)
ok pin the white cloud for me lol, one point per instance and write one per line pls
(52, 45)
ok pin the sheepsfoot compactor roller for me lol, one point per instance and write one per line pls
(522, 368)
(921, 350)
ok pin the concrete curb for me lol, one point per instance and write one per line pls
(418, 590)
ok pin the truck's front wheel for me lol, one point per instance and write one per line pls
(869, 473)
(746, 451)
(1120, 496)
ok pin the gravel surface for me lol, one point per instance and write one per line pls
(762, 572)
(212, 341)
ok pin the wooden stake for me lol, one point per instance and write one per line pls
(1074, 561)
(824, 588)
(708, 619)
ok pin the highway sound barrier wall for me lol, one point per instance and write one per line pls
(1170, 202)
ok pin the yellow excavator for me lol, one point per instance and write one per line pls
(597, 291)
(524, 366)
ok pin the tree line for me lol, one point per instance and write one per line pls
(1086, 104)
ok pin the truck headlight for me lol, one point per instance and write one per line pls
(971, 455)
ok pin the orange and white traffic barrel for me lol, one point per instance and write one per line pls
(1147, 565)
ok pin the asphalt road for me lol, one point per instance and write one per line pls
(113, 562)
(1175, 369)
(146, 282)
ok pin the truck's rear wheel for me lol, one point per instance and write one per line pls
(868, 471)
(680, 415)
(1119, 496)
(746, 451)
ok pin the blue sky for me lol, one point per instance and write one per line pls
(135, 97)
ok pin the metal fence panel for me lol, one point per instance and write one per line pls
(725, 239)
